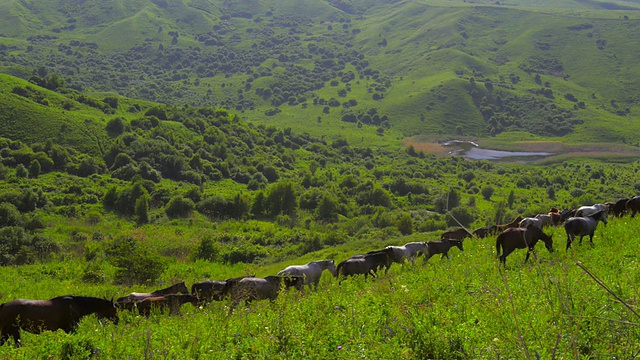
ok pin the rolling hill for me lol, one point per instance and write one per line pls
(359, 69)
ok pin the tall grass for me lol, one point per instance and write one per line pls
(465, 307)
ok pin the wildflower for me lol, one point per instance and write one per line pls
(336, 307)
(339, 347)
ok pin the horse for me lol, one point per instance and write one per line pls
(513, 224)
(441, 247)
(311, 271)
(520, 238)
(483, 232)
(173, 302)
(558, 217)
(128, 302)
(409, 251)
(253, 288)
(62, 312)
(366, 264)
(540, 220)
(582, 226)
(633, 205)
(619, 207)
(212, 290)
(588, 210)
(456, 234)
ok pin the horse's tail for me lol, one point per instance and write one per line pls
(498, 244)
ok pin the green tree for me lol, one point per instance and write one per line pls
(511, 199)
(142, 209)
(487, 192)
(34, 169)
(21, 171)
(282, 199)
(405, 224)
(327, 209)
(179, 207)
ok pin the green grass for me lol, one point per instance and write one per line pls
(464, 307)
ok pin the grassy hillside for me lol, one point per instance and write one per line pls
(321, 66)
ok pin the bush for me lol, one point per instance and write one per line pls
(487, 192)
(405, 224)
(207, 250)
(134, 263)
(9, 215)
(179, 207)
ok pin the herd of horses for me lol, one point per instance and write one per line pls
(65, 312)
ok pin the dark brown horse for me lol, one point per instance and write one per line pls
(128, 302)
(173, 302)
(521, 238)
(212, 290)
(619, 207)
(633, 205)
(63, 312)
(367, 264)
(441, 247)
(456, 234)
(483, 232)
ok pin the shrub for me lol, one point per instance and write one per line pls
(487, 192)
(9, 215)
(179, 207)
(134, 263)
(405, 224)
(207, 249)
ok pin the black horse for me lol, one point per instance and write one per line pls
(583, 226)
(252, 288)
(367, 264)
(441, 247)
(520, 238)
(63, 312)
(456, 234)
(212, 290)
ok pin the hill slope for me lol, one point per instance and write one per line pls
(433, 67)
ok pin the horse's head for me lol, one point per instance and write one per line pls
(331, 266)
(548, 240)
(109, 312)
(180, 288)
(456, 243)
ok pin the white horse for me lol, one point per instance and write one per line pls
(540, 221)
(409, 251)
(311, 271)
(590, 210)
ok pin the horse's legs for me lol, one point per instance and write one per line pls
(569, 241)
(591, 239)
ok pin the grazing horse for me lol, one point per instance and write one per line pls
(588, 210)
(409, 251)
(366, 264)
(253, 288)
(513, 224)
(128, 302)
(520, 238)
(311, 271)
(633, 205)
(582, 226)
(173, 302)
(62, 312)
(483, 232)
(441, 247)
(212, 290)
(619, 207)
(456, 234)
